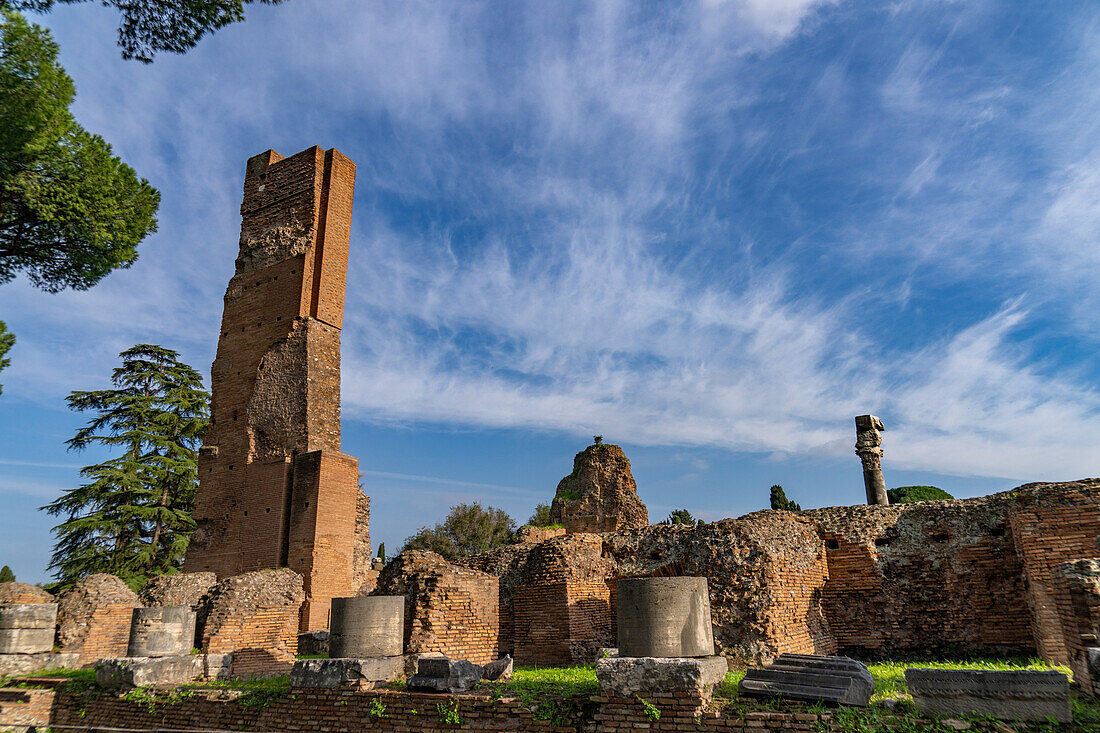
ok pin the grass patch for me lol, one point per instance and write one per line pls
(558, 694)
(568, 495)
(312, 656)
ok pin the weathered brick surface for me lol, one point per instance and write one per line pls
(386, 711)
(765, 574)
(255, 616)
(561, 623)
(1077, 600)
(971, 575)
(1051, 526)
(93, 618)
(274, 488)
(448, 609)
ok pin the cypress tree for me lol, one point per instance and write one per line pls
(133, 517)
(6, 575)
(779, 500)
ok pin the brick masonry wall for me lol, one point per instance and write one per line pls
(276, 387)
(264, 643)
(108, 634)
(918, 577)
(386, 711)
(448, 609)
(1048, 530)
(1077, 600)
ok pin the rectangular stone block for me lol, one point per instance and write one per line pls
(11, 664)
(346, 672)
(445, 675)
(836, 680)
(126, 672)
(1015, 695)
(632, 676)
(218, 666)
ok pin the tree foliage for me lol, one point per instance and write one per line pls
(780, 501)
(7, 340)
(681, 516)
(909, 494)
(70, 211)
(133, 517)
(541, 516)
(6, 575)
(468, 529)
(151, 26)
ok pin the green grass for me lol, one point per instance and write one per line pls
(558, 694)
(568, 495)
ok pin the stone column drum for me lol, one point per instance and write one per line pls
(162, 631)
(367, 626)
(664, 617)
(27, 628)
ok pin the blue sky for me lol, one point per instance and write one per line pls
(711, 231)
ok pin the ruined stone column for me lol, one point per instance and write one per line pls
(869, 450)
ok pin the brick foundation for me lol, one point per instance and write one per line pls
(385, 711)
(1048, 533)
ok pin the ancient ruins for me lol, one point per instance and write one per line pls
(280, 564)
(274, 489)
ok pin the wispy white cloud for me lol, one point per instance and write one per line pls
(671, 226)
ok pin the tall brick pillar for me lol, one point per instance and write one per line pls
(274, 488)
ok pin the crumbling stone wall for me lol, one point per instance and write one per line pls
(1077, 596)
(971, 575)
(600, 495)
(255, 616)
(274, 488)
(362, 570)
(930, 575)
(561, 602)
(15, 593)
(448, 609)
(765, 573)
(93, 618)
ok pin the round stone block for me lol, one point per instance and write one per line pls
(367, 626)
(664, 617)
(27, 628)
(161, 631)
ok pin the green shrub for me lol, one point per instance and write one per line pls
(910, 494)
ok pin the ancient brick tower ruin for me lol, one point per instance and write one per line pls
(274, 488)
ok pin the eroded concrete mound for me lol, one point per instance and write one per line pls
(15, 593)
(181, 589)
(600, 495)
